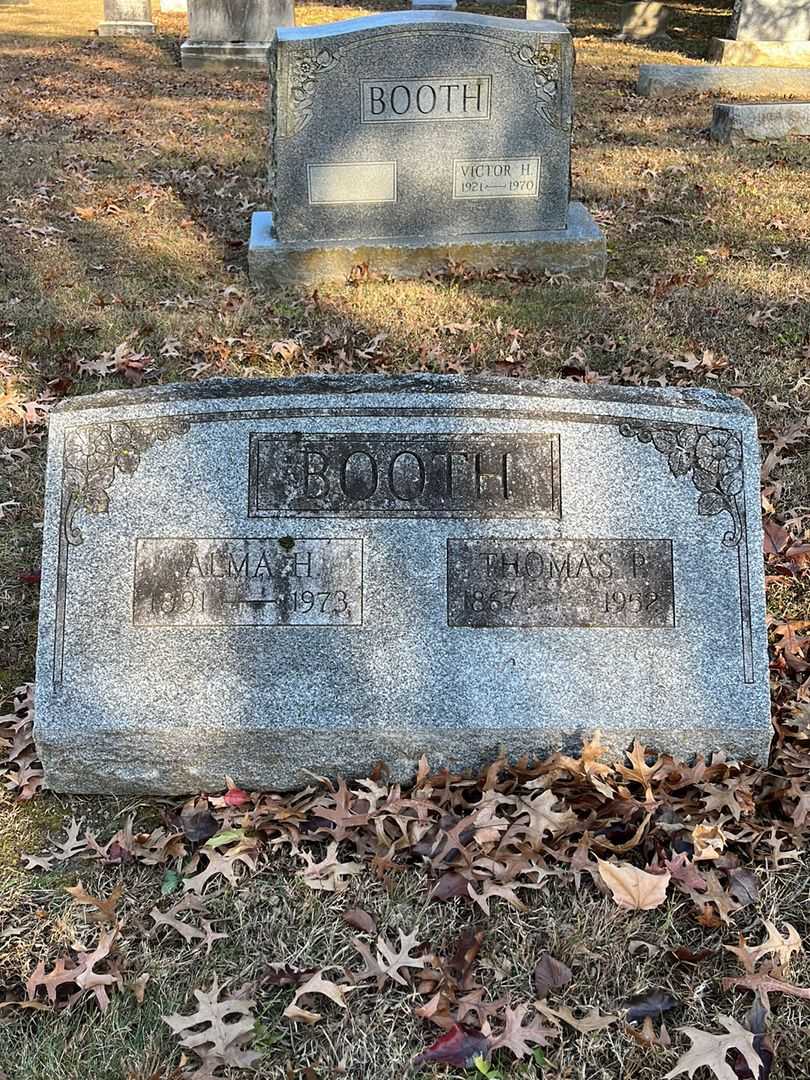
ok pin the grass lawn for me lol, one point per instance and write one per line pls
(125, 200)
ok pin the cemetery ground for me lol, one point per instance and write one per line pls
(125, 199)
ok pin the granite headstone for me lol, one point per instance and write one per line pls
(646, 21)
(232, 34)
(259, 578)
(407, 138)
(127, 18)
(769, 32)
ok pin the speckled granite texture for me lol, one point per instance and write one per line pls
(258, 578)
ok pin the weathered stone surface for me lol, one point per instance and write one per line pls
(255, 579)
(775, 120)
(555, 10)
(420, 129)
(228, 34)
(236, 20)
(770, 20)
(677, 80)
(578, 251)
(180, 6)
(643, 21)
(759, 53)
(127, 18)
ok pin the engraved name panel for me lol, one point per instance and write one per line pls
(533, 582)
(241, 581)
(460, 97)
(352, 182)
(377, 475)
(496, 178)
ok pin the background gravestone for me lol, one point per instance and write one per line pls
(644, 22)
(228, 34)
(407, 138)
(255, 579)
(127, 18)
(556, 10)
(770, 32)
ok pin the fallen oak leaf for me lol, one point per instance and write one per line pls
(316, 985)
(766, 984)
(459, 1046)
(632, 888)
(105, 908)
(360, 920)
(518, 1037)
(592, 1021)
(709, 1051)
(229, 1028)
(550, 974)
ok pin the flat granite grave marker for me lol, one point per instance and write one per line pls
(259, 578)
(224, 35)
(405, 139)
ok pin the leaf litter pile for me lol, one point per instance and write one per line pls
(642, 833)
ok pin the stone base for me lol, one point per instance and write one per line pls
(174, 6)
(578, 251)
(224, 56)
(759, 53)
(433, 5)
(735, 123)
(678, 80)
(126, 29)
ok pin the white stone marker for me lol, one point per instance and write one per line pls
(127, 18)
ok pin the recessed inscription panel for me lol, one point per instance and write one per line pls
(352, 182)
(496, 178)
(456, 97)
(548, 582)
(427, 475)
(236, 581)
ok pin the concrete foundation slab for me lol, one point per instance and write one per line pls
(733, 123)
(679, 80)
(579, 251)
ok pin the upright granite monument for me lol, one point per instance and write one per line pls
(406, 139)
(127, 18)
(260, 578)
(224, 35)
(769, 32)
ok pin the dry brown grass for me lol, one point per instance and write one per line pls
(125, 201)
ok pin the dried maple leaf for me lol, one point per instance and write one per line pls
(709, 1051)
(229, 1029)
(633, 888)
